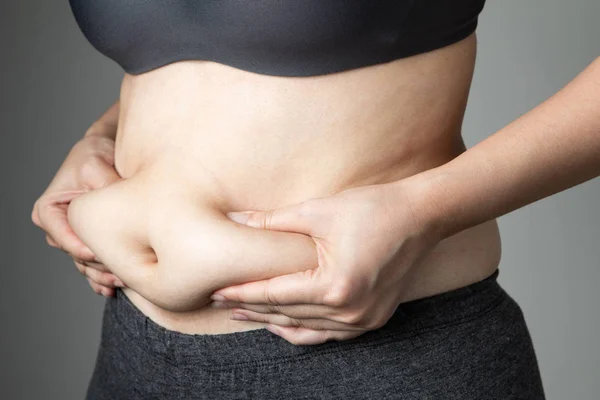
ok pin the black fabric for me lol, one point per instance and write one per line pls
(273, 37)
(469, 343)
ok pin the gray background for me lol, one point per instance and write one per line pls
(53, 84)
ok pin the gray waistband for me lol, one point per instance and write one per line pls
(261, 346)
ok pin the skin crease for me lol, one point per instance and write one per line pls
(88, 166)
(197, 139)
(551, 148)
(156, 249)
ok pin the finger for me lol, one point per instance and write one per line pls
(283, 320)
(303, 287)
(303, 311)
(102, 290)
(35, 214)
(52, 242)
(100, 277)
(80, 267)
(99, 175)
(53, 215)
(293, 218)
(304, 336)
(95, 265)
(95, 287)
(103, 278)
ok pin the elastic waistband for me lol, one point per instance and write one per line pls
(215, 351)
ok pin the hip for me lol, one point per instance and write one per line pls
(171, 243)
(467, 343)
(174, 246)
(458, 261)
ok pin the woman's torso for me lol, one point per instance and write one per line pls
(198, 139)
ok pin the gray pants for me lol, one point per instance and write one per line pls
(468, 343)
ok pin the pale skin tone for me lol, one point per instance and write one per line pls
(549, 149)
(89, 166)
(352, 193)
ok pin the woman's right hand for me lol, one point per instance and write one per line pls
(88, 166)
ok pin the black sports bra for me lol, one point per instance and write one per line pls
(273, 37)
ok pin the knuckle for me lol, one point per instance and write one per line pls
(261, 318)
(80, 268)
(104, 279)
(269, 295)
(108, 280)
(354, 318)
(35, 218)
(51, 242)
(304, 208)
(268, 219)
(297, 323)
(89, 170)
(81, 253)
(44, 207)
(92, 274)
(335, 297)
(94, 286)
(273, 308)
(100, 279)
(340, 293)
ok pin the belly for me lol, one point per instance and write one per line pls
(197, 139)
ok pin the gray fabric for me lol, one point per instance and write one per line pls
(468, 343)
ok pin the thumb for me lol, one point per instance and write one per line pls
(302, 287)
(294, 218)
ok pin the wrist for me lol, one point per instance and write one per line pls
(422, 193)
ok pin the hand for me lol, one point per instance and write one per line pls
(367, 238)
(89, 165)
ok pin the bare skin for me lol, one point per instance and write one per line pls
(197, 139)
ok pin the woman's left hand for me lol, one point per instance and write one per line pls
(367, 238)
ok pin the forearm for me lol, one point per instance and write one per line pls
(106, 125)
(550, 149)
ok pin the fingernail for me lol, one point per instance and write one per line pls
(239, 217)
(118, 283)
(218, 297)
(239, 317)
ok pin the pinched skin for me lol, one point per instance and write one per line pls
(175, 249)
